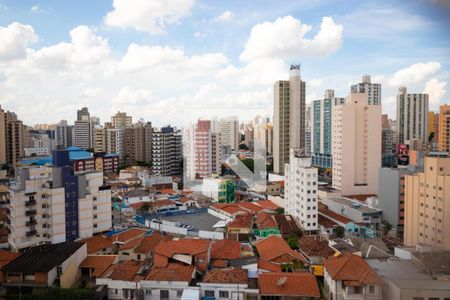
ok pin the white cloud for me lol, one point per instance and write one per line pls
(285, 39)
(436, 90)
(130, 96)
(199, 34)
(150, 16)
(225, 17)
(36, 9)
(415, 73)
(14, 39)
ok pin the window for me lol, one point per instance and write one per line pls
(58, 271)
(164, 294)
(179, 293)
(223, 294)
(371, 289)
(209, 294)
(433, 298)
(148, 292)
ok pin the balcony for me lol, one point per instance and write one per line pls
(30, 203)
(31, 222)
(30, 213)
(31, 232)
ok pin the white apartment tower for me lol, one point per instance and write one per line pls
(373, 90)
(356, 151)
(115, 141)
(229, 132)
(412, 117)
(300, 194)
(289, 117)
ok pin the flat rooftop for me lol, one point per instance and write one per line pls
(199, 220)
(355, 204)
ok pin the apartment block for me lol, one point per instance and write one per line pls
(444, 128)
(229, 132)
(138, 142)
(167, 152)
(412, 117)
(99, 139)
(373, 90)
(115, 141)
(121, 120)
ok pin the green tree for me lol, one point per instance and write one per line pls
(293, 242)
(339, 231)
(249, 163)
(279, 211)
(243, 147)
(386, 227)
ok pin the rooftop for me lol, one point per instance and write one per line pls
(312, 247)
(6, 257)
(226, 249)
(266, 204)
(125, 236)
(354, 204)
(265, 220)
(241, 221)
(268, 266)
(286, 224)
(173, 272)
(99, 263)
(331, 215)
(302, 284)
(125, 270)
(273, 247)
(226, 276)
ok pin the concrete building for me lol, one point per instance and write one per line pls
(300, 190)
(263, 134)
(138, 142)
(444, 128)
(82, 134)
(412, 117)
(3, 127)
(388, 144)
(99, 139)
(83, 114)
(289, 117)
(121, 120)
(229, 132)
(63, 134)
(356, 145)
(15, 137)
(115, 141)
(427, 213)
(373, 90)
(433, 126)
(167, 152)
(53, 204)
(321, 129)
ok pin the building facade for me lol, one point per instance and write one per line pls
(121, 120)
(229, 132)
(167, 152)
(444, 128)
(115, 141)
(373, 90)
(138, 142)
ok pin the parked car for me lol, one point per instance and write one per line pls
(191, 211)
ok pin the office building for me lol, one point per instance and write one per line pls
(83, 114)
(289, 117)
(321, 129)
(138, 142)
(356, 145)
(373, 90)
(427, 210)
(167, 152)
(444, 128)
(229, 132)
(121, 120)
(412, 117)
(263, 134)
(36, 143)
(300, 190)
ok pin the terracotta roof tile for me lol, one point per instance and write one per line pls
(268, 266)
(324, 221)
(303, 284)
(182, 246)
(131, 244)
(265, 220)
(149, 242)
(226, 249)
(6, 257)
(323, 209)
(226, 276)
(125, 270)
(100, 263)
(97, 243)
(312, 247)
(273, 247)
(266, 204)
(219, 263)
(173, 272)
(168, 191)
(128, 235)
(350, 267)
(251, 207)
(164, 202)
(241, 221)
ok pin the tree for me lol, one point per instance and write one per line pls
(279, 211)
(293, 242)
(339, 231)
(243, 147)
(431, 137)
(386, 227)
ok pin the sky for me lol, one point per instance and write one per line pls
(173, 61)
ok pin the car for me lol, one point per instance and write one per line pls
(168, 213)
(191, 211)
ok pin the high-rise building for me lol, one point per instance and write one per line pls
(433, 128)
(249, 137)
(373, 90)
(15, 138)
(229, 132)
(412, 117)
(263, 134)
(356, 145)
(321, 129)
(427, 210)
(83, 114)
(99, 139)
(37, 143)
(167, 152)
(63, 134)
(50, 204)
(82, 134)
(444, 128)
(300, 191)
(289, 117)
(138, 142)
(388, 144)
(121, 120)
(3, 127)
(115, 141)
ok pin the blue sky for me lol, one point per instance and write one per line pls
(174, 61)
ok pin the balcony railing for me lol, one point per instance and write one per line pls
(30, 213)
(31, 232)
(31, 222)
(30, 203)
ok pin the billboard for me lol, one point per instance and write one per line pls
(402, 155)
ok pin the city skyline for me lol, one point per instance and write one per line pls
(202, 59)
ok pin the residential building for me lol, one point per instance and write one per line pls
(348, 276)
(276, 250)
(36, 143)
(115, 141)
(284, 286)
(224, 284)
(321, 129)
(229, 132)
(99, 139)
(63, 134)
(433, 127)
(444, 128)
(121, 120)
(42, 267)
(3, 127)
(300, 190)
(52, 204)
(373, 90)
(263, 134)
(388, 144)
(289, 117)
(219, 189)
(15, 137)
(82, 134)
(83, 114)
(427, 215)
(356, 145)
(315, 251)
(412, 117)
(167, 152)
(138, 142)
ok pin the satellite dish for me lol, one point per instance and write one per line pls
(282, 281)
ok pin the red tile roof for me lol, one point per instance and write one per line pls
(251, 207)
(241, 221)
(131, 244)
(265, 220)
(97, 243)
(149, 243)
(6, 257)
(219, 263)
(351, 269)
(324, 221)
(167, 191)
(100, 263)
(273, 247)
(226, 276)
(226, 249)
(301, 284)
(128, 235)
(268, 266)
(312, 247)
(323, 209)
(173, 272)
(267, 204)
(182, 246)
(160, 203)
(125, 270)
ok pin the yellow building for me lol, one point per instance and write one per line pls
(427, 205)
(444, 128)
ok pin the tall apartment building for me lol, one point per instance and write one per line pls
(138, 142)
(83, 114)
(115, 141)
(82, 134)
(229, 132)
(3, 127)
(321, 129)
(50, 204)
(99, 139)
(37, 143)
(300, 190)
(356, 145)
(289, 117)
(167, 152)
(15, 137)
(444, 128)
(427, 210)
(373, 90)
(388, 144)
(433, 126)
(263, 134)
(63, 134)
(121, 120)
(412, 117)
(308, 129)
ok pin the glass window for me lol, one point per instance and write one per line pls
(223, 294)
(209, 294)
